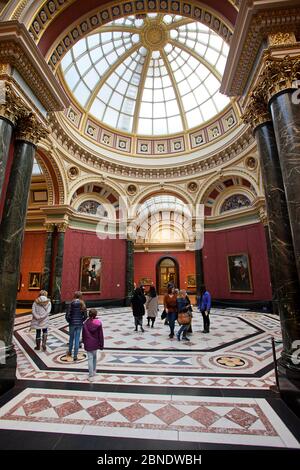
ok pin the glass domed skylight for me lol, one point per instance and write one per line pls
(155, 75)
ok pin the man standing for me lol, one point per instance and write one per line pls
(204, 305)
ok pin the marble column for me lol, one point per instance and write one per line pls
(59, 258)
(129, 271)
(285, 272)
(48, 257)
(285, 110)
(199, 271)
(11, 239)
(272, 270)
(6, 128)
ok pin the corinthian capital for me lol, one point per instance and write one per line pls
(280, 74)
(257, 111)
(30, 128)
(10, 102)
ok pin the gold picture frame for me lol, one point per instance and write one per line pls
(90, 275)
(34, 281)
(191, 280)
(239, 273)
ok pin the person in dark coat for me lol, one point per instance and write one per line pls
(75, 316)
(93, 339)
(137, 303)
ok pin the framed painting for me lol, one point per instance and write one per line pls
(239, 273)
(35, 281)
(90, 275)
(146, 281)
(191, 280)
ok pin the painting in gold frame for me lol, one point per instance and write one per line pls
(191, 280)
(239, 273)
(90, 275)
(35, 281)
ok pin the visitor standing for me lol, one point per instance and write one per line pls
(92, 335)
(137, 303)
(204, 305)
(41, 308)
(170, 306)
(152, 306)
(184, 315)
(75, 316)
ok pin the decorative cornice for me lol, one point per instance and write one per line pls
(20, 52)
(97, 162)
(252, 30)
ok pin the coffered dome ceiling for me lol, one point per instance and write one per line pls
(150, 75)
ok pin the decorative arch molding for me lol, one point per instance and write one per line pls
(111, 210)
(224, 175)
(225, 187)
(109, 185)
(236, 190)
(53, 176)
(156, 190)
(90, 186)
(84, 17)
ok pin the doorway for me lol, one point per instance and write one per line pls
(167, 271)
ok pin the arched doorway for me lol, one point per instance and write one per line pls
(167, 271)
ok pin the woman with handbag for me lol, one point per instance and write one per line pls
(184, 315)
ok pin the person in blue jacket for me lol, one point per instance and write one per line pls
(204, 305)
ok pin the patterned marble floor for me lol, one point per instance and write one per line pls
(169, 390)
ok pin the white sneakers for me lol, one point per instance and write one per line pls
(91, 378)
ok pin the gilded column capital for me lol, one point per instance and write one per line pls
(280, 74)
(62, 227)
(30, 129)
(49, 227)
(10, 102)
(256, 112)
(263, 215)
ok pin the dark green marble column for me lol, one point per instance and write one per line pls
(57, 281)
(48, 258)
(272, 269)
(129, 271)
(285, 272)
(11, 239)
(6, 128)
(285, 112)
(199, 271)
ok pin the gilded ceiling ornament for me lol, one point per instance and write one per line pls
(277, 39)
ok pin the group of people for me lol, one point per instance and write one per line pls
(177, 306)
(81, 323)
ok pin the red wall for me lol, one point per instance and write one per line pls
(79, 243)
(33, 253)
(249, 239)
(145, 265)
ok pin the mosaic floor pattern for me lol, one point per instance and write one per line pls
(139, 391)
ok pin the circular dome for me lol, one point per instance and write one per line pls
(155, 75)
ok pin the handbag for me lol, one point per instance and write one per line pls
(163, 315)
(184, 318)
